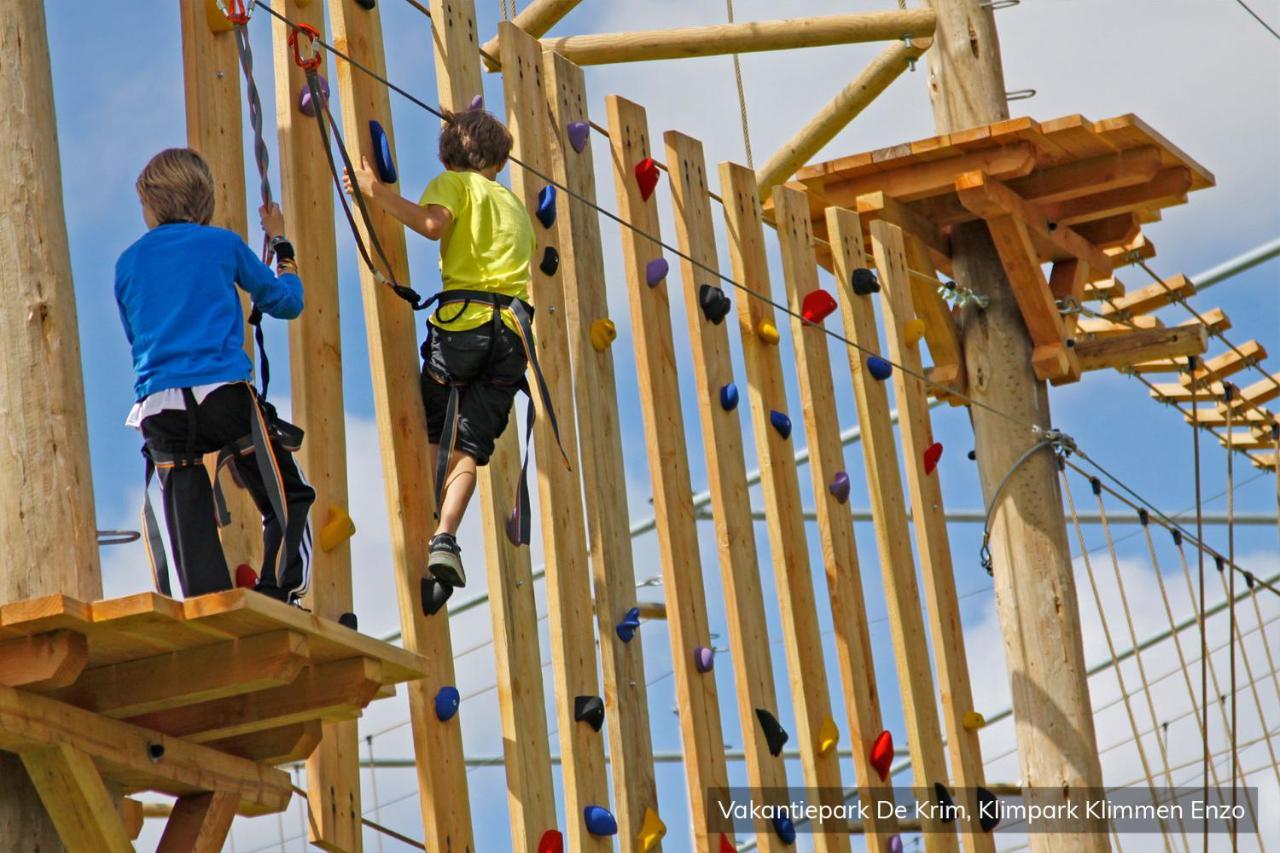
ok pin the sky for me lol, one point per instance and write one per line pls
(1160, 59)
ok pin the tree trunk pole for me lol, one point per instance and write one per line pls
(47, 524)
(1035, 588)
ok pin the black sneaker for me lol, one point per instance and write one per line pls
(445, 560)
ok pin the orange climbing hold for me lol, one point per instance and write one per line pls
(817, 306)
(646, 177)
(882, 754)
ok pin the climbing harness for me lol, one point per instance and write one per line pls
(1060, 442)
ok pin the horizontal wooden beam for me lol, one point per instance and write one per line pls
(1125, 350)
(1089, 177)
(720, 39)
(880, 205)
(536, 19)
(1226, 364)
(1263, 391)
(1103, 289)
(1246, 440)
(1218, 417)
(43, 661)
(1149, 298)
(1174, 392)
(1139, 249)
(282, 745)
(1098, 327)
(1167, 188)
(1117, 230)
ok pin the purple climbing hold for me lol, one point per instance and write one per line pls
(895, 844)
(729, 397)
(477, 103)
(304, 97)
(514, 527)
(579, 135)
(840, 486)
(655, 271)
(704, 659)
(781, 423)
(879, 369)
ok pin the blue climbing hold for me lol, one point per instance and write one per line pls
(729, 397)
(547, 206)
(839, 487)
(382, 159)
(599, 821)
(447, 702)
(781, 423)
(879, 369)
(579, 135)
(785, 828)
(655, 271)
(627, 627)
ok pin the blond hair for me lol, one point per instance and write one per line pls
(474, 139)
(177, 186)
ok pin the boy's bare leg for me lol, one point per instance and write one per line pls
(459, 486)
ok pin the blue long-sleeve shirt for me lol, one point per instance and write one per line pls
(176, 290)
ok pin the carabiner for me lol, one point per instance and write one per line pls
(313, 61)
(236, 11)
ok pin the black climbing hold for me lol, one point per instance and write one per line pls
(589, 710)
(155, 751)
(864, 282)
(1144, 518)
(367, 4)
(1177, 537)
(1228, 392)
(1219, 562)
(434, 595)
(1096, 485)
(973, 455)
(988, 815)
(547, 206)
(714, 302)
(1248, 579)
(550, 261)
(774, 734)
(349, 620)
(944, 800)
(382, 158)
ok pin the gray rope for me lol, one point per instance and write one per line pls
(1053, 439)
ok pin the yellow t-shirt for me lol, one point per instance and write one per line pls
(488, 246)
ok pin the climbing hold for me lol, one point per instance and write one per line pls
(382, 159)
(655, 271)
(881, 756)
(550, 261)
(447, 702)
(913, 331)
(367, 5)
(338, 529)
(603, 332)
(714, 302)
(477, 103)
(246, 577)
(217, 18)
(349, 620)
(972, 721)
(973, 455)
(599, 821)
(817, 306)
(944, 800)
(932, 454)
(651, 830)
(895, 844)
(434, 595)
(729, 397)
(785, 828)
(627, 627)
(781, 423)
(988, 814)
(589, 710)
(774, 734)
(579, 133)
(839, 487)
(514, 527)
(646, 177)
(547, 206)
(304, 97)
(828, 736)
(864, 282)
(726, 846)
(767, 332)
(704, 659)
(879, 368)
(552, 841)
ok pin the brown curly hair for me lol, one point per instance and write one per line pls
(474, 140)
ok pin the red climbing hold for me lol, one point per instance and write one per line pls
(817, 306)
(932, 454)
(726, 846)
(882, 754)
(646, 177)
(246, 577)
(551, 842)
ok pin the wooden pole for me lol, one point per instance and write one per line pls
(1035, 588)
(536, 19)
(752, 37)
(47, 519)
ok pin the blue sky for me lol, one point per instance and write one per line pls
(118, 105)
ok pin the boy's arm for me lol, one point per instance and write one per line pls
(430, 221)
(277, 295)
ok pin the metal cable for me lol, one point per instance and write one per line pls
(742, 97)
(1257, 18)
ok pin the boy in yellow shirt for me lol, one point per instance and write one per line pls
(474, 359)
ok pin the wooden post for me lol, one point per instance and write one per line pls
(47, 521)
(315, 363)
(1035, 587)
(536, 19)
(402, 428)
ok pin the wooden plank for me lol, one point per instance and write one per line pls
(1135, 348)
(1175, 392)
(1151, 297)
(1096, 327)
(1226, 364)
(282, 745)
(132, 817)
(1103, 289)
(1116, 230)
(1066, 283)
(1246, 440)
(604, 478)
(935, 177)
(1218, 418)
(1088, 177)
(397, 397)
(199, 823)
(563, 522)
(152, 619)
(1129, 130)
(893, 538)
(1214, 320)
(29, 721)
(1263, 391)
(43, 661)
(76, 799)
(1164, 190)
(929, 517)
(788, 547)
(880, 206)
(749, 649)
(835, 521)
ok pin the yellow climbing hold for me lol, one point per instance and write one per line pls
(216, 18)
(603, 333)
(973, 721)
(767, 332)
(913, 331)
(828, 736)
(651, 830)
(338, 529)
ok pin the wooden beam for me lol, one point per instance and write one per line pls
(1214, 320)
(721, 39)
(1246, 440)
(1118, 230)
(1120, 351)
(1089, 177)
(1218, 418)
(536, 19)
(131, 816)
(1139, 249)
(294, 742)
(888, 65)
(1176, 392)
(1149, 298)
(935, 177)
(78, 802)
(43, 661)
(879, 205)
(1096, 327)
(199, 823)
(1263, 391)
(1165, 189)
(1226, 364)
(1066, 282)
(1103, 289)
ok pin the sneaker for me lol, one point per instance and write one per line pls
(445, 560)
(272, 591)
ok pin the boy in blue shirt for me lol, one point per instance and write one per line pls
(176, 291)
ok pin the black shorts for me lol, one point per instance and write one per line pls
(492, 370)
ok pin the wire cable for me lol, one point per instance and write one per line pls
(1257, 18)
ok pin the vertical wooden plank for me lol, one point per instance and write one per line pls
(563, 523)
(211, 74)
(604, 479)
(199, 823)
(893, 539)
(78, 802)
(835, 521)
(781, 483)
(929, 518)
(315, 364)
(402, 429)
